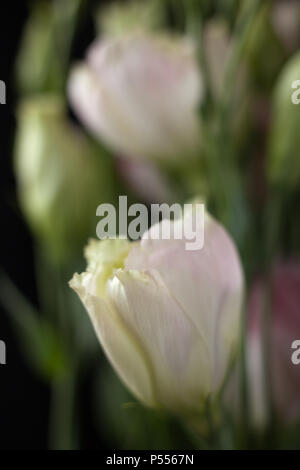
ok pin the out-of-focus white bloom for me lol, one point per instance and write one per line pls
(167, 318)
(139, 93)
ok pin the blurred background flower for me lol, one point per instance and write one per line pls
(284, 329)
(284, 135)
(139, 93)
(60, 174)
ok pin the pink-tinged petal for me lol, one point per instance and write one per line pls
(206, 283)
(144, 179)
(143, 92)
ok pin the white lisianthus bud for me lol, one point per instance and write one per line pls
(139, 93)
(167, 318)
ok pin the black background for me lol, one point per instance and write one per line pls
(24, 399)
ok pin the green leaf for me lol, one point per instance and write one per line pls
(39, 340)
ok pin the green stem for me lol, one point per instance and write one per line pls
(63, 428)
(242, 31)
(195, 28)
(245, 415)
(272, 219)
(62, 420)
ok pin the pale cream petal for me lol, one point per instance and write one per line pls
(124, 352)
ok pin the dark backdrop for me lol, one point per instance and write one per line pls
(24, 399)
